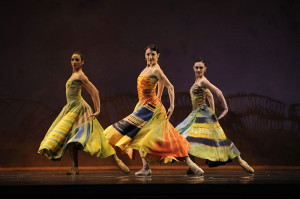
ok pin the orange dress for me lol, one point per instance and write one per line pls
(148, 129)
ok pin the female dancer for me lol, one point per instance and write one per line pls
(147, 129)
(76, 127)
(202, 129)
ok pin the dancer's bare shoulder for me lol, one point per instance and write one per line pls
(82, 77)
(157, 71)
(203, 82)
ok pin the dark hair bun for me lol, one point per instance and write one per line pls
(152, 47)
(200, 59)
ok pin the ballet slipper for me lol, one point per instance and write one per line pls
(246, 166)
(73, 171)
(121, 165)
(143, 172)
(190, 172)
(197, 170)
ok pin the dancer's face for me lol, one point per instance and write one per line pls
(199, 68)
(76, 61)
(151, 57)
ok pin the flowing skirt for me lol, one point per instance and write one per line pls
(74, 126)
(148, 129)
(207, 138)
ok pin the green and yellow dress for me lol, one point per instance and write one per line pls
(73, 125)
(148, 129)
(204, 133)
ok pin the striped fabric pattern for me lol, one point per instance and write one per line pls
(132, 124)
(203, 131)
(148, 129)
(198, 96)
(73, 125)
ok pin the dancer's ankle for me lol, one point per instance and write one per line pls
(73, 171)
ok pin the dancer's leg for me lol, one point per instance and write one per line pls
(193, 166)
(120, 164)
(74, 157)
(245, 165)
(145, 171)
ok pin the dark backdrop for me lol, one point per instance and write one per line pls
(250, 47)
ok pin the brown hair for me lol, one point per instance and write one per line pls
(200, 59)
(152, 47)
(80, 54)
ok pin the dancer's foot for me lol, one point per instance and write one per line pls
(73, 171)
(121, 165)
(190, 172)
(143, 172)
(197, 170)
(246, 166)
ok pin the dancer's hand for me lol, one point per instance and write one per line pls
(170, 112)
(94, 115)
(223, 114)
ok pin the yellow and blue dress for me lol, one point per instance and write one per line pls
(148, 129)
(73, 125)
(204, 133)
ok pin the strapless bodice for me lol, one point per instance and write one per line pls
(73, 90)
(198, 96)
(146, 87)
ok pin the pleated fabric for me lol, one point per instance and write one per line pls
(204, 133)
(73, 125)
(148, 129)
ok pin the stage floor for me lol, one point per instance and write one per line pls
(163, 183)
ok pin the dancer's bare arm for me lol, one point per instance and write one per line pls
(160, 89)
(205, 83)
(210, 99)
(159, 74)
(92, 90)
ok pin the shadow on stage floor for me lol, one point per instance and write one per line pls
(163, 183)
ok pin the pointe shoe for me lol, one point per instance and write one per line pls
(197, 170)
(122, 166)
(194, 168)
(143, 172)
(190, 172)
(73, 171)
(246, 166)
